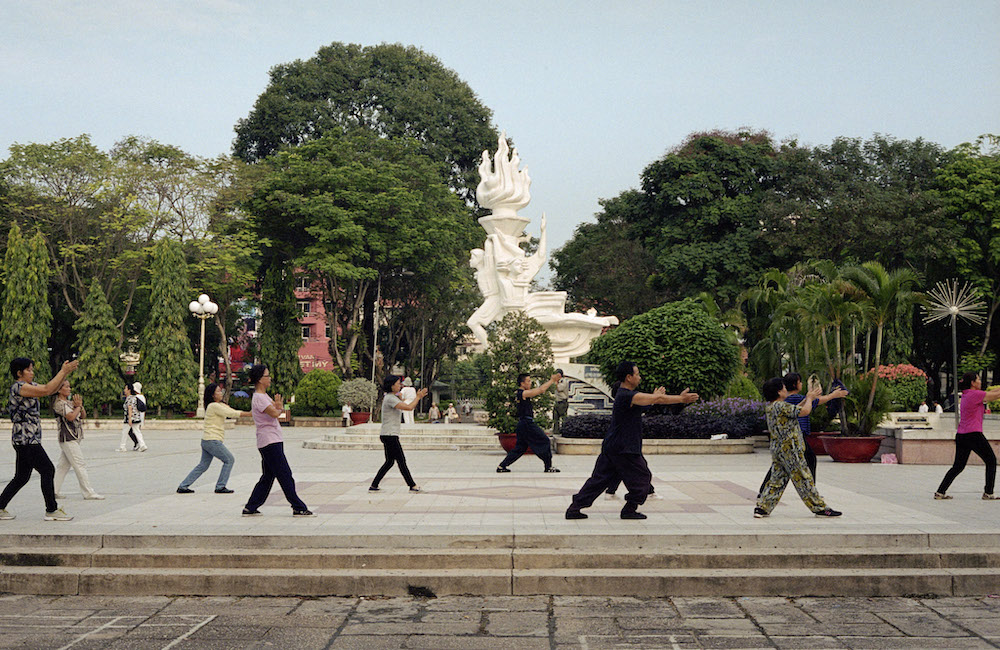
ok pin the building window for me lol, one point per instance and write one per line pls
(303, 283)
(327, 332)
(306, 332)
(303, 307)
(251, 324)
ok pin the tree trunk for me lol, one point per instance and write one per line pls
(988, 327)
(871, 393)
(224, 344)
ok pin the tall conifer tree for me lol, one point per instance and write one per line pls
(25, 316)
(167, 369)
(281, 333)
(99, 377)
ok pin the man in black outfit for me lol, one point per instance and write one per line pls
(621, 454)
(529, 434)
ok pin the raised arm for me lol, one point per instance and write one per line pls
(53, 385)
(835, 394)
(660, 396)
(276, 408)
(412, 404)
(806, 407)
(992, 395)
(533, 392)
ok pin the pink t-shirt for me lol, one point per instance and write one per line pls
(971, 410)
(268, 429)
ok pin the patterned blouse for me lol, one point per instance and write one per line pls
(24, 416)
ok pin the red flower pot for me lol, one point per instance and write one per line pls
(360, 417)
(852, 449)
(815, 442)
(509, 440)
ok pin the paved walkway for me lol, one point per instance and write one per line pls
(700, 495)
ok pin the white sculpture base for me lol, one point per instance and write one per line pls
(570, 334)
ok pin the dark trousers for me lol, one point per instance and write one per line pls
(28, 458)
(131, 434)
(611, 489)
(531, 435)
(810, 461)
(631, 469)
(274, 465)
(966, 443)
(559, 412)
(393, 454)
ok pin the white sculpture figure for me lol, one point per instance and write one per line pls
(504, 272)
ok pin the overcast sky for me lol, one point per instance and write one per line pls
(590, 92)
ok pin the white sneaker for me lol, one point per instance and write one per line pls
(6, 515)
(94, 497)
(143, 448)
(60, 496)
(57, 515)
(121, 449)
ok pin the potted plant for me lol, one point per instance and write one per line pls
(360, 394)
(864, 409)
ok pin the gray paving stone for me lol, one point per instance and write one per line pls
(910, 643)
(775, 610)
(708, 608)
(437, 629)
(454, 603)
(516, 603)
(734, 643)
(925, 624)
(988, 627)
(365, 643)
(851, 616)
(222, 631)
(298, 638)
(517, 624)
(831, 629)
(571, 628)
(475, 643)
(328, 605)
(807, 642)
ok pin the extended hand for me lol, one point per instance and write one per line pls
(77, 400)
(278, 401)
(687, 396)
(70, 366)
(660, 391)
(421, 393)
(556, 376)
(840, 392)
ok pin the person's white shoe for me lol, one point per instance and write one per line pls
(6, 515)
(143, 448)
(94, 497)
(121, 449)
(57, 515)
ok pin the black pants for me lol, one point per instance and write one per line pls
(531, 435)
(631, 469)
(810, 461)
(28, 458)
(965, 443)
(274, 465)
(393, 454)
(131, 434)
(611, 489)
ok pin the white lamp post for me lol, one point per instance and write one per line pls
(203, 308)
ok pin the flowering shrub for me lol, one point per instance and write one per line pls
(907, 385)
(736, 417)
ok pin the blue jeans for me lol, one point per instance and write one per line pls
(211, 449)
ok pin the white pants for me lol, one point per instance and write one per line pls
(126, 441)
(407, 417)
(72, 456)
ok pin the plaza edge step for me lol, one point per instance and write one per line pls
(654, 565)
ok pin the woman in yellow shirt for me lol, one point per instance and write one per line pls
(212, 441)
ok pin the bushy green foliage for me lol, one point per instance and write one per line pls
(280, 332)
(862, 421)
(316, 394)
(167, 369)
(25, 317)
(518, 343)
(742, 386)
(676, 346)
(99, 378)
(906, 385)
(360, 393)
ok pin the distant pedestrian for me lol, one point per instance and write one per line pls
(213, 441)
(345, 412)
(451, 415)
(969, 436)
(271, 445)
(529, 434)
(923, 407)
(70, 416)
(133, 420)
(938, 408)
(621, 452)
(434, 414)
(26, 435)
(392, 408)
(407, 394)
(561, 408)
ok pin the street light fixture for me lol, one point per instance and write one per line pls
(203, 308)
(950, 300)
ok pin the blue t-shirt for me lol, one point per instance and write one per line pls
(798, 398)
(625, 433)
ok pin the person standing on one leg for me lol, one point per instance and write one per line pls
(70, 415)
(561, 408)
(793, 384)
(26, 435)
(788, 461)
(529, 434)
(969, 436)
(213, 441)
(392, 409)
(621, 453)
(271, 445)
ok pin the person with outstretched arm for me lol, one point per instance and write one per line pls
(529, 434)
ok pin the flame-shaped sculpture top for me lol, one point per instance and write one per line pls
(503, 188)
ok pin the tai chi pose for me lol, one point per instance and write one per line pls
(70, 415)
(393, 408)
(788, 461)
(793, 385)
(26, 435)
(212, 441)
(529, 434)
(969, 437)
(271, 445)
(133, 420)
(621, 453)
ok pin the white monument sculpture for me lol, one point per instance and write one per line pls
(504, 272)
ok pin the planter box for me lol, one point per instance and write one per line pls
(852, 449)
(592, 446)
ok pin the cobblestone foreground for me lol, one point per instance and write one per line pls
(512, 623)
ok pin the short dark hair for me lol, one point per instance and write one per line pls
(388, 382)
(559, 370)
(772, 388)
(256, 373)
(130, 388)
(19, 365)
(624, 369)
(521, 376)
(966, 382)
(792, 380)
(210, 393)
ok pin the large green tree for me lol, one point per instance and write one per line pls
(99, 378)
(25, 317)
(167, 369)
(390, 90)
(280, 333)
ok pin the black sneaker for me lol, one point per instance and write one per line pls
(303, 513)
(374, 488)
(181, 490)
(223, 491)
(632, 515)
(575, 514)
(758, 513)
(552, 470)
(251, 513)
(502, 470)
(829, 512)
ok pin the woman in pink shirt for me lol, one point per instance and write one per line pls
(969, 437)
